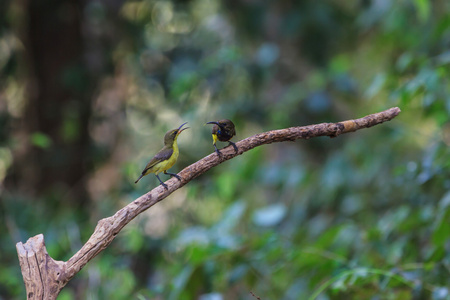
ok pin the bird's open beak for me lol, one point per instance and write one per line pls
(181, 130)
(212, 122)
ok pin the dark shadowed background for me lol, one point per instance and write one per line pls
(88, 89)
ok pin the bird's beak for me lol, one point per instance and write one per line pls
(181, 130)
(213, 123)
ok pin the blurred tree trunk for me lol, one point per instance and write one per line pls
(59, 101)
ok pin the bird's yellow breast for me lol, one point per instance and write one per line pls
(165, 164)
(171, 161)
(215, 138)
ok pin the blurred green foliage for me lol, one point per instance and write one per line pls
(363, 216)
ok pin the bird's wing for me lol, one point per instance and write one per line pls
(162, 155)
(232, 131)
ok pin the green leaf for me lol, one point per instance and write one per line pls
(41, 140)
(442, 231)
(423, 9)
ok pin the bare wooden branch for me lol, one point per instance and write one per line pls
(40, 272)
(44, 277)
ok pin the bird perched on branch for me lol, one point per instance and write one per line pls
(223, 131)
(166, 157)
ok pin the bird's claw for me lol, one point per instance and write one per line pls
(234, 146)
(217, 151)
(164, 185)
(173, 175)
(176, 176)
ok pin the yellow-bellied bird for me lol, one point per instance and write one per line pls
(223, 131)
(165, 158)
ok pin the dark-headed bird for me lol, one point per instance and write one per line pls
(223, 131)
(165, 158)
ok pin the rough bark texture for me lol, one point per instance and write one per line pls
(44, 277)
(40, 272)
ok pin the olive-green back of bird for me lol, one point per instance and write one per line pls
(166, 157)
